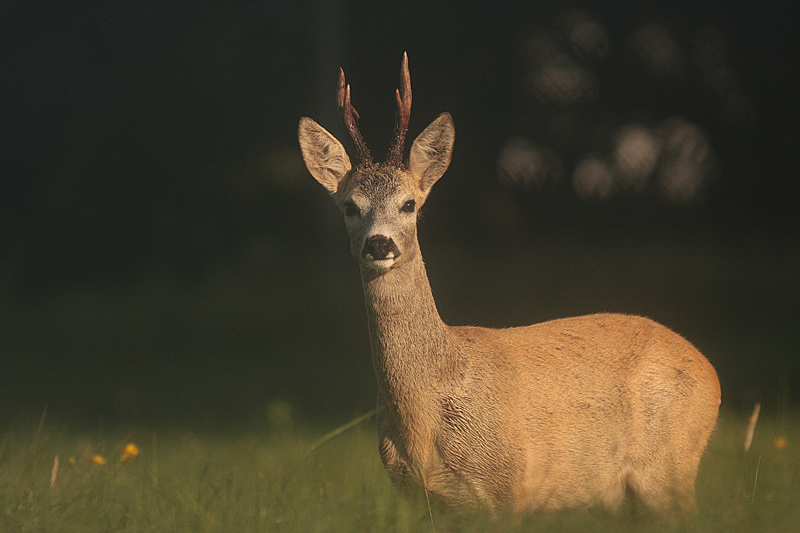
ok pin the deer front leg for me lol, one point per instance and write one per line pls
(396, 465)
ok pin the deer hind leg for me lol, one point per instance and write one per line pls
(614, 495)
(683, 483)
(664, 492)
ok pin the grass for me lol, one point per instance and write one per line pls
(183, 481)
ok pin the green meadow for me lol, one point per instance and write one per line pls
(276, 479)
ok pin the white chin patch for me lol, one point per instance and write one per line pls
(381, 265)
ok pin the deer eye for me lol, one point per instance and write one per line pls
(409, 206)
(351, 209)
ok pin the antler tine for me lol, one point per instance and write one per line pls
(403, 97)
(349, 115)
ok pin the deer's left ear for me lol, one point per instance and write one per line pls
(431, 152)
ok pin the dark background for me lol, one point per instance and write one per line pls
(166, 258)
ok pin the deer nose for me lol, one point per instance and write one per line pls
(380, 247)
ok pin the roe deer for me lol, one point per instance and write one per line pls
(566, 413)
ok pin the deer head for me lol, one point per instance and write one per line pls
(380, 202)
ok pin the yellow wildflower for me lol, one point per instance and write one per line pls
(129, 452)
(97, 459)
(780, 443)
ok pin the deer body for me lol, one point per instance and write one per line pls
(566, 413)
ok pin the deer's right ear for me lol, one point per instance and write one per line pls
(325, 157)
(431, 152)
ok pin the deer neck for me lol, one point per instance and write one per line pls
(409, 340)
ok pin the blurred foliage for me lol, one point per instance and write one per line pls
(165, 132)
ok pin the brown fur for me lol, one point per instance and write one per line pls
(566, 413)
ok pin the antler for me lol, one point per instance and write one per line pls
(403, 97)
(349, 115)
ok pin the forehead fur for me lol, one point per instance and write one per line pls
(377, 181)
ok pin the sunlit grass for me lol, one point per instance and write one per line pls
(184, 481)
